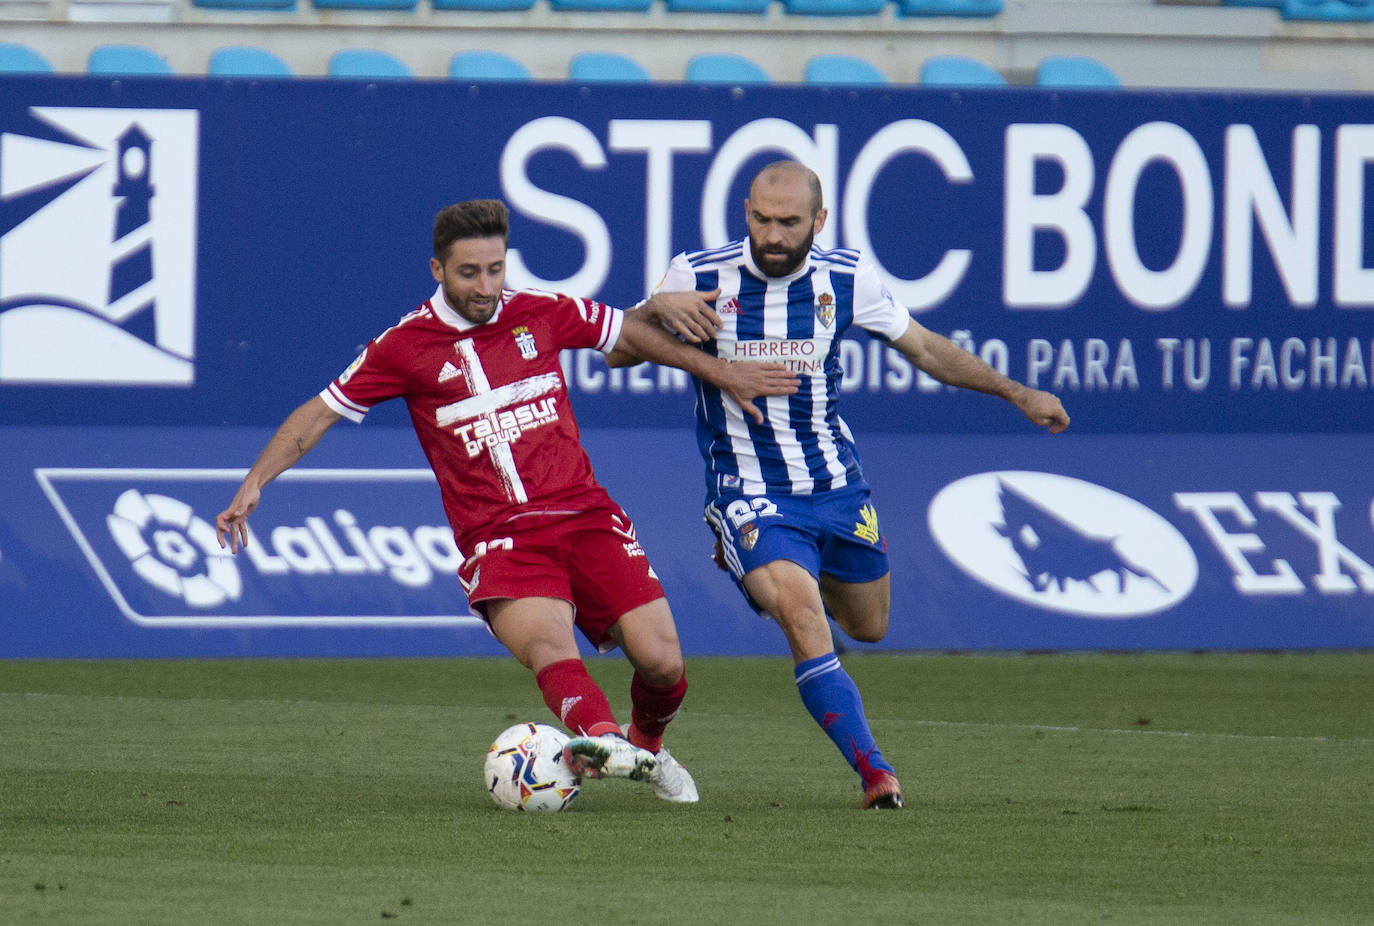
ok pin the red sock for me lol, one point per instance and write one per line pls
(577, 700)
(652, 708)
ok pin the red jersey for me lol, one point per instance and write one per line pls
(488, 402)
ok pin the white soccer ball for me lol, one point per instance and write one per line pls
(525, 769)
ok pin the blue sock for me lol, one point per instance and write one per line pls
(834, 702)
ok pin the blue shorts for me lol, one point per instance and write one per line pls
(835, 533)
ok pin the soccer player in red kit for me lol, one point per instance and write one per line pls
(545, 548)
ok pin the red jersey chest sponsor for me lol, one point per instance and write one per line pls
(491, 410)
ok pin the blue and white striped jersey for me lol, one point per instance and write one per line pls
(804, 447)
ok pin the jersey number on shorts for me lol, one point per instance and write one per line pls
(745, 510)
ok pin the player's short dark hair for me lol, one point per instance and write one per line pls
(475, 218)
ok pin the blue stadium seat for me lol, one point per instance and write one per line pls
(833, 7)
(1074, 71)
(949, 7)
(717, 6)
(126, 60)
(364, 4)
(246, 4)
(246, 61)
(486, 65)
(605, 66)
(488, 5)
(842, 69)
(724, 69)
(958, 71)
(624, 6)
(21, 59)
(367, 64)
(1328, 10)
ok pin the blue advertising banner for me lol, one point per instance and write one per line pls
(210, 252)
(182, 262)
(996, 542)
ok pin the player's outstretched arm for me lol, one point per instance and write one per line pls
(691, 315)
(301, 430)
(743, 382)
(943, 359)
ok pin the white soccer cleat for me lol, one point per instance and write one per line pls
(671, 781)
(608, 756)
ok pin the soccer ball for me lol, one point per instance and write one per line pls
(525, 769)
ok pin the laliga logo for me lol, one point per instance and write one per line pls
(173, 550)
(1063, 544)
(98, 248)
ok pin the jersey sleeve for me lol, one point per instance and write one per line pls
(876, 310)
(680, 276)
(370, 379)
(588, 323)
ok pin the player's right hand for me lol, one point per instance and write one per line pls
(231, 524)
(691, 315)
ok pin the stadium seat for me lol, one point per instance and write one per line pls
(724, 69)
(487, 5)
(717, 6)
(949, 7)
(367, 64)
(1074, 71)
(364, 4)
(20, 59)
(842, 69)
(126, 60)
(246, 4)
(958, 71)
(623, 6)
(1328, 10)
(605, 66)
(486, 65)
(246, 61)
(833, 7)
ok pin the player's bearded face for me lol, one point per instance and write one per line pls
(781, 227)
(472, 276)
(778, 259)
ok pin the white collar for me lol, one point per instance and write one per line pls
(449, 315)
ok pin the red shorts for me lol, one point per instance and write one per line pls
(590, 559)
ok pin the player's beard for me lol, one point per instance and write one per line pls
(464, 306)
(779, 262)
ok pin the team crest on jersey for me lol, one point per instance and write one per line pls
(525, 341)
(825, 309)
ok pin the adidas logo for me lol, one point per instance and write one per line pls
(728, 307)
(449, 372)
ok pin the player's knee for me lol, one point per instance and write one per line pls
(869, 629)
(663, 670)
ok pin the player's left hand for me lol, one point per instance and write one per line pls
(1044, 410)
(748, 381)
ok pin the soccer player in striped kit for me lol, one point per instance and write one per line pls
(545, 547)
(787, 499)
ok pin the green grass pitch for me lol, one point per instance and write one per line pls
(1057, 789)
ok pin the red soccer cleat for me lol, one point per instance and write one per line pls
(883, 792)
